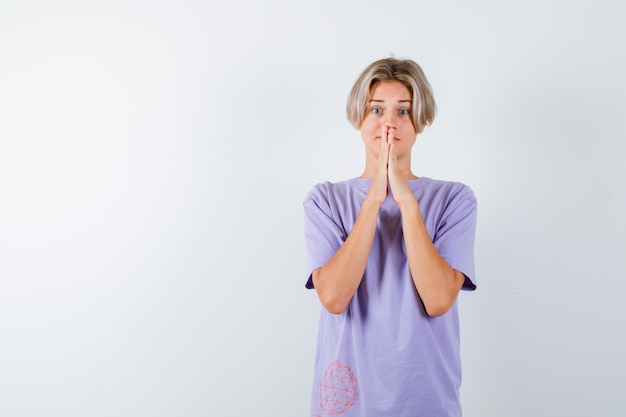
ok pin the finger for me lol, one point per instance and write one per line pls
(384, 144)
(386, 153)
(382, 156)
(383, 137)
(392, 157)
(391, 135)
(393, 172)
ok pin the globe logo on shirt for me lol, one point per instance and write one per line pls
(338, 388)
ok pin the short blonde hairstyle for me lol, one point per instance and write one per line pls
(405, 71)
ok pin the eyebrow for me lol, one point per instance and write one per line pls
(399, 101)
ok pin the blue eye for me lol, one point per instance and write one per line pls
(404, 112)
(377, 110)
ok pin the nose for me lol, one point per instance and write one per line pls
(390, 124)
(390, 120)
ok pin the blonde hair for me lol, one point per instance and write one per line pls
(404, 71)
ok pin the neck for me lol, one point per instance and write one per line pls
(405, 170)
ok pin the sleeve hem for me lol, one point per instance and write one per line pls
(468, 285)
(309, 283)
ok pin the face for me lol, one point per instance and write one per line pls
(389, 109)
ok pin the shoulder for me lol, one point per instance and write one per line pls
(445, 199)
(444, 190)
(327, 191)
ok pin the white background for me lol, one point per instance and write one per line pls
(154, 156)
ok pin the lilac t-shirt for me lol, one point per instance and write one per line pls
(384, 356)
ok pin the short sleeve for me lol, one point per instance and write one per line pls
(455, 234)
(322, 234)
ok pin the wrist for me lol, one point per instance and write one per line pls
(409, 205)
(372, 202)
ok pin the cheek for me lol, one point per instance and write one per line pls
(369, 126)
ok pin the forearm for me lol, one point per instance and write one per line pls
(337, 281)
(437, 283)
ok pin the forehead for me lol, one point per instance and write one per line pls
(390, 90)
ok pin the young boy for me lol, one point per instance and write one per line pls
(388, 253)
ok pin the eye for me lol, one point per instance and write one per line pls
(377, 110)
(404, 112)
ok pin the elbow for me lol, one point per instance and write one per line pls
(331, 299)
(437, 311)
(333, 305)
(335, 310)
(440, 302)
(437, 308)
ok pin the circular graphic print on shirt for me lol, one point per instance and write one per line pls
(338, 388)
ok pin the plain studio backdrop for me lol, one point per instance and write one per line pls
(154, 157)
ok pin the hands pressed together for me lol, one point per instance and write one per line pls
(388, 171)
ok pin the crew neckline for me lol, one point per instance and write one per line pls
(364, 183)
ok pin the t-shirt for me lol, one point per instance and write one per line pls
(384, 356)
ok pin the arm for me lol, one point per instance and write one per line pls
(436, 282)
(337, 281)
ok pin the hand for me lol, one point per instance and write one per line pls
(378, 188)
(400, 189)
